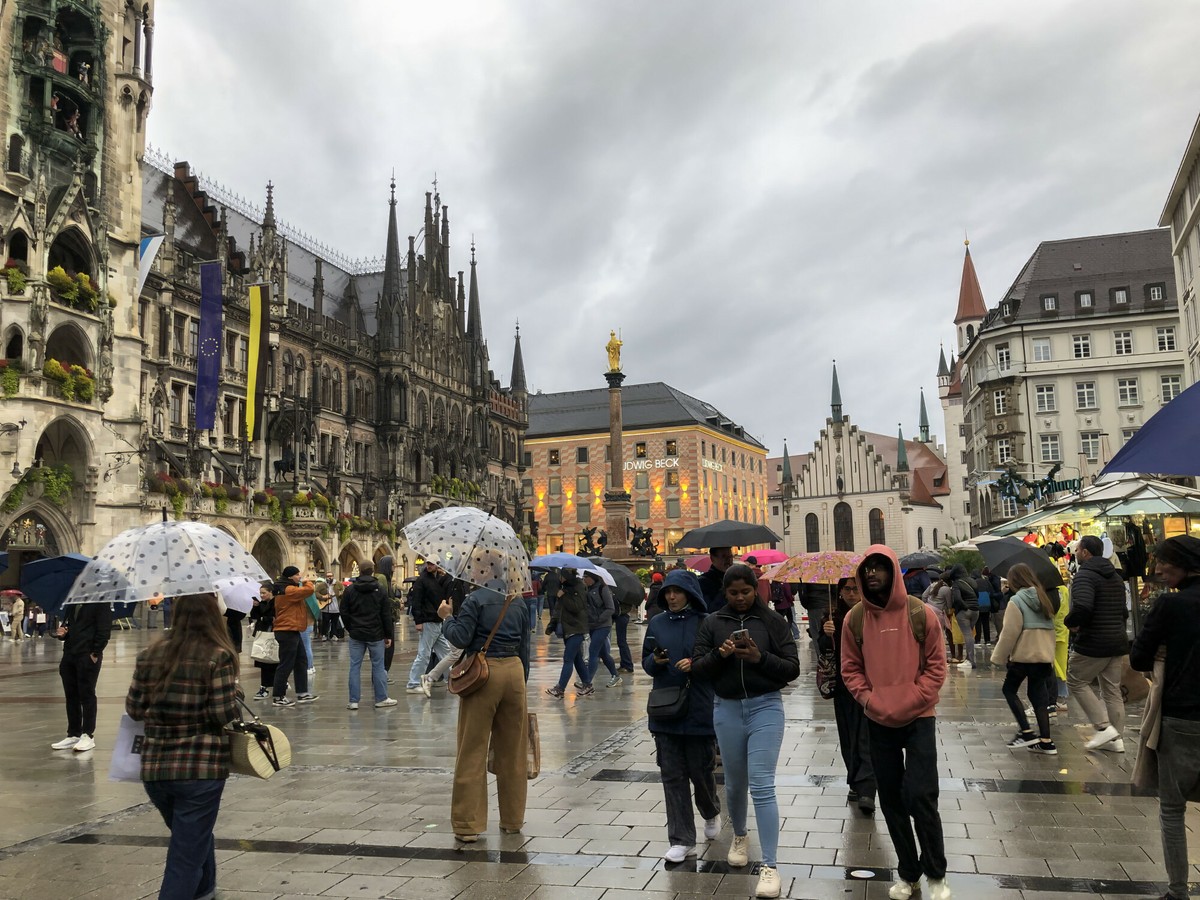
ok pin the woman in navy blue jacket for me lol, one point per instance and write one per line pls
(686, 749)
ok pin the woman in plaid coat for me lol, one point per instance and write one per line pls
(185, 691)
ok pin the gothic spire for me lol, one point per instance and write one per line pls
(788, 480)
(391, 318)
(474, 320)
(836, 398)
(943, 369)
(923, 424)
(517, 381)
(269, 215)
(901, 451)
(971, 307)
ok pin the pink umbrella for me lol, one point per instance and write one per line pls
(823, 567)
(699, 562)
(765, 557)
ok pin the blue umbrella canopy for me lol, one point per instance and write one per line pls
(1166, 444)
(47, 582)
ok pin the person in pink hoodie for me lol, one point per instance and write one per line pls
(896, 680)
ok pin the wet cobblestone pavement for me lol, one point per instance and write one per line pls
(364, 812)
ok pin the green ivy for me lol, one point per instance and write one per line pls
(15, 498)
(220, 504)
(16, 279)
(178, 502)
(10, 381)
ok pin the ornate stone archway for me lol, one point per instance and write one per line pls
(270, 549)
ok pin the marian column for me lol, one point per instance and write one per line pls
(617, 501)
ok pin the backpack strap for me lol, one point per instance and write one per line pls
(854, 621)
(917, 621)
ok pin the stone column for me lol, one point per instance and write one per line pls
(617, 501)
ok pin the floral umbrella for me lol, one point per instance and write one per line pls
(823, 567)
(472, 546)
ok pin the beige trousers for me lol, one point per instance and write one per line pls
(496, 715)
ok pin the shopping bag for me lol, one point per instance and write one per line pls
(533, 750)
(265, 648)
(1134, 686)
(256, 749)
(127, 751)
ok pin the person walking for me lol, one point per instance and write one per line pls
(1101, 646)
(853, 734)
(712, 581)
(965, 601)
(291, 619)
(17, 619)
(894, 664)
(1026, 649)
(628, 607)
(85, 630)
(747, 652)
(600, 609)
(1173, 626)
(495, 715)
(367, 612)
(262, 618)
(571, 618)
(185, 691)
(684, 745)
(431, 588)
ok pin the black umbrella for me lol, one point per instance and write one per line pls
(728, 533)
(628, 588)
(920, 560)
(1004, 553)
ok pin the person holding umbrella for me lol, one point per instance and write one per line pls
(571, 615)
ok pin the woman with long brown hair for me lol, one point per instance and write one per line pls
(1026, 647)
(185, 691)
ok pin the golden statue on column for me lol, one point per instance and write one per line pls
(614, 352)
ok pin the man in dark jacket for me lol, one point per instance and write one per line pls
(719, 559)
(367, 615)
(85, 631)
(1097, 618)
(432, 587)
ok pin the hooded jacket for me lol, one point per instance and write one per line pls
(1028, 633)
(738, 679)
(1098, 610)
(366, 610)
(571, 612)
(291, 613)
(895, 679)
(676, 633)
(712, 589)
(428, 593)
(600, 605)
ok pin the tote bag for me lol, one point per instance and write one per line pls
(127, 751)
(265, 648)
(256, 749)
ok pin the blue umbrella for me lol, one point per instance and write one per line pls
(48, 581)
(560, 561)
(1166, 444)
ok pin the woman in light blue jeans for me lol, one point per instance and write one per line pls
(746, 650)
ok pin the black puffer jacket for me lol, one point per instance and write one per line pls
(736, 679)
(367, 610)
(1098, 610)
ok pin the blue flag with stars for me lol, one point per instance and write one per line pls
(208, 363)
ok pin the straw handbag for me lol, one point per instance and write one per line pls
(255, 748)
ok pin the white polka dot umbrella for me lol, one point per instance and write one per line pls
(471, 545)
(168, 558)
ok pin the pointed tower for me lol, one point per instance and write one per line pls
(835, 402)
(971, 308)
(787, 484)
(901, 451)
(391, 301)
(476, 349)
(516, 382)
(923, 424)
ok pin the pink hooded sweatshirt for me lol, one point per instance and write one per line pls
(885, 675)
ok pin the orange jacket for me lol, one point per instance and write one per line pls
(290, 612)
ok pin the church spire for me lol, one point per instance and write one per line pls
(970, 296)
(943, 369)
(836, 397)
(787, 482)
(474, 320)
(923, 424)
(391, 319)
(269, 215)
(517, 381)
(901, 451)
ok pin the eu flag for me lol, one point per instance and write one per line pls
(208, 368)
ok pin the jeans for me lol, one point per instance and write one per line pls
(855, 742)
(572, 657)
(378, 675)
(1178, 776)
(431, 642)
(534, 605)
(291, 662)
(306, 638)
(750, 733)
(1082, 672)
(79, 675)
(622, 622)
(600, 653)
(1040, 693)
(905, 761)
(687, 763)
(966, 624)
(190, 810)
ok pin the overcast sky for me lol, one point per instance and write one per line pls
(745, 191)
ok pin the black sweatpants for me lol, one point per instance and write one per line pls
(905, 761)
(79, 676)
(292, 661)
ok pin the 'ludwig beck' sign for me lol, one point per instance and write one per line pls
(637, 465)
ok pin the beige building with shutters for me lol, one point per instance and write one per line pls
(1182, 214)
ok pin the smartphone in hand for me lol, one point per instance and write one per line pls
(742, 634)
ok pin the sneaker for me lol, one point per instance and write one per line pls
(852, 796)
(389, 681)
(1102, 737)
(1023, 740)
(626, 670)
(312, 673)
(1061, 706)
(866, 806)
(386, 702)
(426, 684)
(306, 698)
(1117, 746)
(580, 685)
(678, 853)
(414, 689)
(586, 691)
(938, 889)
(966, 664)
(1046, 748)
(712, 827)
(614, 681)
(262, 694)
(556, 692)
(769, 884)
(902, 890)
(283, 701)
(84, 744)
(65, 744)
(351, 706)
(466, 838)
(739, 851)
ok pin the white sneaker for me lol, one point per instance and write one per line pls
(1115, 746)
(678, 853)
(351, 706)
(65, 744)
(426, 684)
(85, 744)
(312, 672)
(739, 851)
(712, 828)
(902, 890)
(966, 664)
(938, 889)
(1102, 737)
(386, 702)
(768, 883)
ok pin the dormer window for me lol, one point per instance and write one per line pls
(1049, 302)
(1084, 299)
(1005, 310)
(1156, 293)
(1120, 296)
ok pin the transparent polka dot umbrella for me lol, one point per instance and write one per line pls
(168, 558)
(471, 545)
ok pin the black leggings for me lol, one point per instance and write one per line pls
(1040, 692)
(983, 628)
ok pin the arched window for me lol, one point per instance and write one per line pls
(289, 380)
(875, 522)
(326, 388)
(18, 247)
(359, 398)
(843, 527)
(14, 344)
(300, 376)
(920, 538)
(337, 390)
(812, 533)
(970, 332)
(368, 410)
(935, 539)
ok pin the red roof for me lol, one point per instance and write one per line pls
(970, 297)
